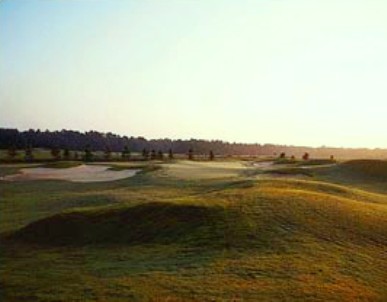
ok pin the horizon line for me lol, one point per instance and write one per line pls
(192, 138)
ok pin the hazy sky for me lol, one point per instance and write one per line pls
(302, 72)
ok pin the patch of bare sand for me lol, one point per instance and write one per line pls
(203, 170)
(82, 173)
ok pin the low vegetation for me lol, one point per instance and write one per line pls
(368, 168)
(232, 237)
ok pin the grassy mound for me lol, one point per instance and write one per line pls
(289, 171)
(261, 216)
(316, 162)
(369, 168)
(146, 223)
(219, 240)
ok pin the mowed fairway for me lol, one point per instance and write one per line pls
(197, 231)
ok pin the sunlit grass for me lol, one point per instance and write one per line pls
(152, 238)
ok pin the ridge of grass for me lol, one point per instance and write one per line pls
(153, 238)
(367, 167)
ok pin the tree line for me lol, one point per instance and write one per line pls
(110, 142)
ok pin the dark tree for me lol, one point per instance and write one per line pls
(160, 155)
(332, 158)
(282, 155)
(190, 154)
(305, 156)
(125, 154)
(107, 154)
(76, 140)
(12, 152)
(292, 157)
(170, 154)
(66, 154)
(76, 155)
(153, 154)
(55, 153)
(212, 156)
(88, 156)
(28, 155)
(145, 154)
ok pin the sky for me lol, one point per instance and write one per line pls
(295, 72)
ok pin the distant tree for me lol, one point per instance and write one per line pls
(282, 155)
(12, 152)
(28, 154)
(66, 154)
(76, 155)
(332, 158)
(145, 154)
(212, 156)
(88, 156)
(305, 156)
(55, 153)
(160, 155)
(125, 154)
(292, 157)
(153, 154)
(107, 154)
(170, 154)
(190, 154)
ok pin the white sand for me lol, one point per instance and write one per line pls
(264, 165)
(203, 170)
(82, 173)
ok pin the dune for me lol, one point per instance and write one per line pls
(81, 173)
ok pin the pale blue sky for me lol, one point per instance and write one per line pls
(302, 72)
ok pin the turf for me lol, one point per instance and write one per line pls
(230, 238)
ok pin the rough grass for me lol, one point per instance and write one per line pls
(365, 174)
(153, 238)
(62, 164)
(317, 162)
(369, 168)
(145, 223)
(290, 171)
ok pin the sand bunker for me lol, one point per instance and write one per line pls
(82, 173)
(264, 165)
(203, 170)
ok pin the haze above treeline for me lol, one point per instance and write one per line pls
(99, 141)
(293, 72)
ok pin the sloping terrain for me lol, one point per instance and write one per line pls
(218, 240)
(368, 168)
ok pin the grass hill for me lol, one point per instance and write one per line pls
(234, 239)
(369, 168)
(327, 212)
(370, 175)
(154, 222)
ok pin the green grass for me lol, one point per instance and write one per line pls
(290, 171)
(309, 162)
(62, 164)
(316, 162)
(369, 168)
(155, 238)
(38, 153)
(364, 174)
